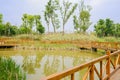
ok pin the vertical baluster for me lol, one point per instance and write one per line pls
(92, 73)
(101, 73)
(115, 61)
(108, 65)
(72, 76)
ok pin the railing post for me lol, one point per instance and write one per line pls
(101, 72)
(92, 73)
(108, 65)
(72, 76)
(119, 59)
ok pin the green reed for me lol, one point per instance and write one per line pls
(9, 70)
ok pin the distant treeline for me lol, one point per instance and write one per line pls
(107, 27)
(58, 14)
(28, 21)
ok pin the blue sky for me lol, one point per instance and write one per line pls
(13, 10)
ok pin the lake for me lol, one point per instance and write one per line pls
(41, 63)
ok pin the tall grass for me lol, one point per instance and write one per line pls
(9, 70)
(72, 36)
(29, 36)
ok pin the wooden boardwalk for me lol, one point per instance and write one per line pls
(116, 75)
(6, 43)
(109, 69)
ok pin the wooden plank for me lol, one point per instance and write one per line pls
(116, 75)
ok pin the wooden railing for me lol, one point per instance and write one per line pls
(106, 45)
(108, 63)
(88, 44)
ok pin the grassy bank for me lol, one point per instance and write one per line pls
(33, 40)
(69, 37)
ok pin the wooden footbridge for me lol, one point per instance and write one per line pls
(7, 43)
(109, 64)
(113, 46)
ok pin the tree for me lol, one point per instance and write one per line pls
(40, 28)
(105, 28)
(37, 20)
(66, 11)
(2, 29)
(100, 28)
(28, 21)
(38, 24)
(1, 18)
(109, 27)
(24, 19)
(47, 16)
(117, 30)
(82, 23)
(24, 30)
(7, 29)
(76, 24)
(85, 20)
(14, 30)
(51, 15)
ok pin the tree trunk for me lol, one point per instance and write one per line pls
(48, 27)
(63, 28)
(53, 26)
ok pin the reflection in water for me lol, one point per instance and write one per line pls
(38, 64)
(51, 65)
(28, 65)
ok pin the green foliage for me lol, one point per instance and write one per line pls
(82, 23)
(30, 21)
(24, 30)
(100, 28)
(40, 29)
(1, 18)
(2, 29)
(50, 14)
(9, 70)
(107, 28)
(8, 29)
(76, 24)
(39, 26)
(66, 11)
(117, 30)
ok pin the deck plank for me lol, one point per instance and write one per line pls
(116, 75)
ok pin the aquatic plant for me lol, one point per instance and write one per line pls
(9, 70)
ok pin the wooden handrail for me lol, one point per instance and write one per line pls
(91, 66)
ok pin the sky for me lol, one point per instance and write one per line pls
(13, 10)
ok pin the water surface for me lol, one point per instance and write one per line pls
(38, 64)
